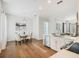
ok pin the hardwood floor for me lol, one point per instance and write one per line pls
(35, 49)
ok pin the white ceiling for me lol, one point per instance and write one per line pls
(66, 8)
(31, 7)
(24, 7)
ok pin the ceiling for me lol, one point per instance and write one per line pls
(25, 7)
(28, 8)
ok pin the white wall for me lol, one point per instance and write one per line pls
(35, 26)
(11, 26)
(42, 20)
(52, 25)
(12, 19)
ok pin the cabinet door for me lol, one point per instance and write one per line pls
(57, 43)
(58, 28)
(53, 43)
(73, 29)
(60, 43)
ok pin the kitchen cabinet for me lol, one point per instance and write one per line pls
(66, 28)
(56, 43)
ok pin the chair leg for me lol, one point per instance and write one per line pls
(19, 42)
(23, 41)
(30, 39)
(26, 41)
(16, 42)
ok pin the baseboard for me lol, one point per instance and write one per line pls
(10, 40)
(0, 51)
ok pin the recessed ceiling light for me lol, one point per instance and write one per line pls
(40, 8)
(49, 1)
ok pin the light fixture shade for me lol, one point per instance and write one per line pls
(59, 1)
(49, 1)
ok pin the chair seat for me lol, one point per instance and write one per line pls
(28, 37)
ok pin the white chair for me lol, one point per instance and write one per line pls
(29, 38)
(18, 39)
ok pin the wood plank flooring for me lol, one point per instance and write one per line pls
(36, 49)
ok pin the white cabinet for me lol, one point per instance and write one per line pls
(56, 43)
(53, 43)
